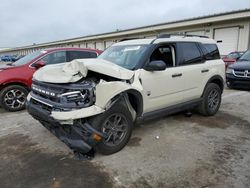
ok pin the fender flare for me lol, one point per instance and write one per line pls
(215, 79)
(104, 98)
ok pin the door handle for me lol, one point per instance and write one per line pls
(204, 70)
(177, 75)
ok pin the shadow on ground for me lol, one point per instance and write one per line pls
(24, 165)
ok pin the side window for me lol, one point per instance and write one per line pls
(93, 54)
(80, 55)
(211, 51)
(164, 53)
(190, 53)
(54, 58)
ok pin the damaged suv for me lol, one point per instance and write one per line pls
(92, 104)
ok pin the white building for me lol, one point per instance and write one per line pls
(231, 30)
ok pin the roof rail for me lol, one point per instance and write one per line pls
(168, 35)
(130, 38)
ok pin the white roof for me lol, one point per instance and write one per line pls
(170, 39)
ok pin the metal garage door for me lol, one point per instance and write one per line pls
(91, 45)
(227, 39)
(99, 46)
(200, 32)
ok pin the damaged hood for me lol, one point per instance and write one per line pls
(77, 69)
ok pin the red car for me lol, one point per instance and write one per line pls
(16, 78)
(232, 58)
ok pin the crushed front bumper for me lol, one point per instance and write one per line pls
(80, 136)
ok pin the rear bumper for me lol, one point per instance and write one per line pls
(78, 137)
(237, 82)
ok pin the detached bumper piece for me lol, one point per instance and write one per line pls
(81, 137)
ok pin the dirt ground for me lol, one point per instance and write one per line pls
(174, 151)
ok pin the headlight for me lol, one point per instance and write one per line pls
(75, 96)
(229, 71)
(84, 97)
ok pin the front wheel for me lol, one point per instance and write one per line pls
(211, 101)
(117, 124)
(13, 98)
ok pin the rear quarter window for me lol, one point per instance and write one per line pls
(210, 51)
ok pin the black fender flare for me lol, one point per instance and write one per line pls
(134, 98)
(217, 79)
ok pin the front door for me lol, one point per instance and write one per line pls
(162, 88)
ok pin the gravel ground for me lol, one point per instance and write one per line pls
(174, 151)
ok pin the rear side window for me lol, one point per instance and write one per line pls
(211, 51)
(190, 53)
(80, 55)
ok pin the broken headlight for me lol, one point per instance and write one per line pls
(81, 98)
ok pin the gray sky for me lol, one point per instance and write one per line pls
(24, 22)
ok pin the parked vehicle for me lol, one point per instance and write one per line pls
(93, 103)
(232, 58)
(17, 57)
(16, 78)
(8, 58)
(238, 74)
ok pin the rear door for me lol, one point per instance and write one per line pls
(192, 67)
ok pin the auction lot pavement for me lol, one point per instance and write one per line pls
(189, 152)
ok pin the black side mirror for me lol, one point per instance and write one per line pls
(156, 66)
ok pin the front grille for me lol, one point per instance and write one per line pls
(64, 96)
(242, 73)
(47, 93)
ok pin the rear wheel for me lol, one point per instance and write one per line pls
(117, 124)
(13, 98)
(211, 100)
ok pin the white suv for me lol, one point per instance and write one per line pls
(92, 104)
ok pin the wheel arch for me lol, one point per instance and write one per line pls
(136, 101)
(216, 79)
(132, 96)
(4, 85)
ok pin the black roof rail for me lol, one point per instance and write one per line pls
(168, 35)
(131, 38)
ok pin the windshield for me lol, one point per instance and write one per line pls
(245, 56)
(28, 58)
(126, 56)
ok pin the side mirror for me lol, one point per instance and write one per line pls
(39, 64)
(156, 66)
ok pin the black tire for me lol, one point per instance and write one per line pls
(13, 98)
(211, 101)
(100, 123)
(229, 86)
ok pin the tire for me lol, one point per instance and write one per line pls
(229, 86)
(100, 123)
(211, 101)
(13, 98)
